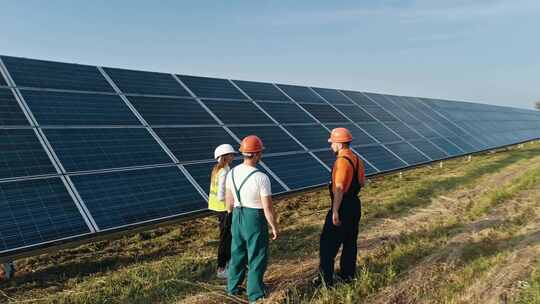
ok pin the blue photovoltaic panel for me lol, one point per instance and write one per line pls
(447, 146)
(324, 113)
(205, 87)
(261, 90)
(311, 136)
(275, 139)
(332, 96)
(118, 199)
(10, 112)
(402, 130)
(358, 98)
(55, 75)
(37, 211)
(21, 154)
(380, 99)
(201, 173)
(424, 130)
(462, 144)
(359, 136)
(286, 113)
(369, 169)
(298, 170)
(300, 94)
(194, 143)
(237, 112)
(408, 153)
(103, 148)
(429, 149)
(2, 81)
(171, 111)
(328, 157)
(379, 113)
(61, 108)
(381, 158)
(148, 83)
(380, 132)
(355, 113)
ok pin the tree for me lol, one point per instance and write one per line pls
(537, 105)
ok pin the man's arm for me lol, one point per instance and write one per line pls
(229, 200)
(338, 197)
(270, 214)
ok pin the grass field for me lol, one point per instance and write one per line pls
(465, 233)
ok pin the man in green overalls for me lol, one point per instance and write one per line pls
(249, 198)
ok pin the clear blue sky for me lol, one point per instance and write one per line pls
(483, 50)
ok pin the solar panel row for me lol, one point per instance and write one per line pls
(86, 149)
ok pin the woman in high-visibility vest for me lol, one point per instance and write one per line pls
(216, 202)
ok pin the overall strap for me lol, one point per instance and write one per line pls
(236, 189)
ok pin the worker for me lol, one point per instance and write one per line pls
(248, 196)
(8, 268)
(224, 154)
(341, 224)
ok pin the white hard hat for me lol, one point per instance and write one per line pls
(222, 150)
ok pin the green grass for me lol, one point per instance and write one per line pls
(530, 288)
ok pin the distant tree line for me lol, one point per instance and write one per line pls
(537, 105)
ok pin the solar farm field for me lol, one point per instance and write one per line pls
(466, 232)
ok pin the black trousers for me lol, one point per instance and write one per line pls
(225, 238)
(333, 237)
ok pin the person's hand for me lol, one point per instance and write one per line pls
(274, 233)
(335, 219)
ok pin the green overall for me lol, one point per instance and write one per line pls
(249, 246)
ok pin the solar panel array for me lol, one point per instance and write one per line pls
(88, 150)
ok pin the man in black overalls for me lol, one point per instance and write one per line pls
(342, 220)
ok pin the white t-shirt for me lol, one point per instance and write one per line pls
(256, 186)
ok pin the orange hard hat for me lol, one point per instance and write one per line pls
(251, 144)
(340, 135)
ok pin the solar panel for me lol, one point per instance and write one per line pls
(261, 91)
(2, 81)
(379, 113)
(408, 153)
(324, 113)
(10, 112)
(429, 149)
(381, 158)
(355, 113)
(380, 132)
(128, 178)
(447, 146)
(311, 136)
(333, 96)
(35, 212)
(105, 148)
(171, 111)
(55, 75)
(205, 87)
(286, 113)
(62, 108)
(149, 83)
(194, 143)
(275, 139)
(118, 199)
(237, 112)
(300, 94)
(201, 173)
(358, 98)
(298, 170)
(21, 154)
(402, 130)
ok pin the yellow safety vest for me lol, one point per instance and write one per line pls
(213, 202)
